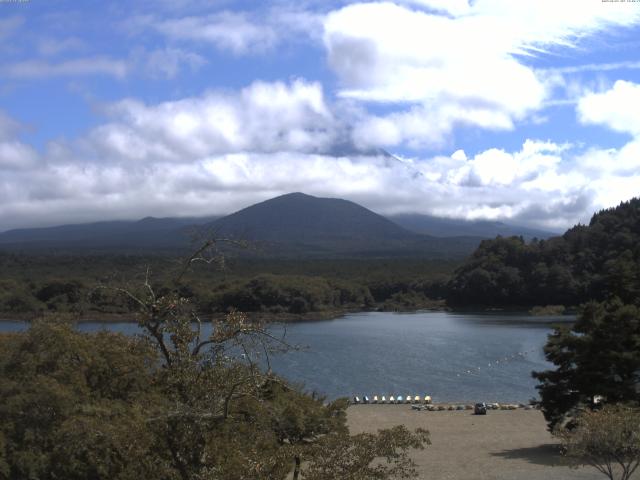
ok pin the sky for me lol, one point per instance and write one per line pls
(519, 111)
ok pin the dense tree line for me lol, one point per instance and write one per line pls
(56, 284)
(595, 262)
(292, 294)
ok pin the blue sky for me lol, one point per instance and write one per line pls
(518, 111)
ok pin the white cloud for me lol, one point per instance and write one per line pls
(158, 63)
(496, 167)
(239, 32)
(466, 66)
(77, 67)
(14, 154)
(263, 117)
(615, 172)
(597, 67)
(616, 108)
(425, 126)
(168, 62)
(224, 150)
(459, 155)
(452, 7)
(232, 31)
(430, 65)
(535, 185)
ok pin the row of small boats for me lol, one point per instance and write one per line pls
(393, 399)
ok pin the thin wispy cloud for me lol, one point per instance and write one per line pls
(37, 69)
(597, 67)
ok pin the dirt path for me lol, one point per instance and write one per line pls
(505, 445)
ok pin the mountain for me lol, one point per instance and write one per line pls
(296, 224)
(143, 234)
(290, 225)
(300, 218)
(450, 227)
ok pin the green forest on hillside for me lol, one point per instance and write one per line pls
(598, 261)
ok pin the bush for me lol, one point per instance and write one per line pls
(608, 440)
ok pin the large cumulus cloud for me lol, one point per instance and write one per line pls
(437, 65)
(409, 73)
(221, 151)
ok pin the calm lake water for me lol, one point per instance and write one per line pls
(452, 357)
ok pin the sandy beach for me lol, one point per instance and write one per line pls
(504, 445)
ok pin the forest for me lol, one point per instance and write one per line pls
(599, 261)
(291, 289)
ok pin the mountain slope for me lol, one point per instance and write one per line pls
(149, 232)
(290, 225)
(296, 217)
(299, 224)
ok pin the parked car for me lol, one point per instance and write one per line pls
(480, 408)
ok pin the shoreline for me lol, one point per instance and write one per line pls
(130, 317)
(266, 317)
(285, 317)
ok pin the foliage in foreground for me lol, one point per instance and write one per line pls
(175, 403)
(608, 440)
(599, 356)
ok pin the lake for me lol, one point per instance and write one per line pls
(451, 356)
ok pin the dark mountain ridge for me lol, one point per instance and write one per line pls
(289, 225)
(299, 224)
(297, 217)
(149, 232)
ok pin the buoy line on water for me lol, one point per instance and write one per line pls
(473, 371)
